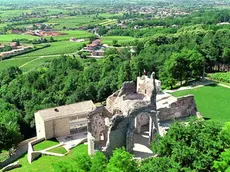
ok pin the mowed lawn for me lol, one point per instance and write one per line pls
(44, 163)
(212, 101)
(120, 39)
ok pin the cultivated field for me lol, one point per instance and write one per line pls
(34, 59)
(120, 39)
(212, 101)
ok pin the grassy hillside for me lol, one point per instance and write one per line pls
(44, 163)
(212, 102)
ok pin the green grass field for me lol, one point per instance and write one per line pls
(44, 163)
(45, 144)
(12, 13)
(36, 63)
(71, 22)
(10, 37)
(34, 59)
(212, 102)
(58, 149)
(120, 39)
(56, 48)
(14, 62)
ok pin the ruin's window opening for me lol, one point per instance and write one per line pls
(102, 136)
(142, 135)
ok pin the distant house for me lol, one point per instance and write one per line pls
(13, 45)
(17, 31)
(1, 46)
(97, 42)
(92, 46)
(98, 53)
(73, 39)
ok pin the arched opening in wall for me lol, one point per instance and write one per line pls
(117, 111)
(101, 143)
(142, 135)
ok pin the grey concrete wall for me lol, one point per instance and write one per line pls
(61, 127)
(40, 126)
(32, 155)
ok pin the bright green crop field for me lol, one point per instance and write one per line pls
(120, 39)
(36, 58)
(37, 62)
(56, 48)
(10, 37)
(71, 22)
(212, 102)
(14, 62)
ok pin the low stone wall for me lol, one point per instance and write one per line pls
(182, 107)
(21, 150)
(32, 155)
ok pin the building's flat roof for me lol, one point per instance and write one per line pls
(66, 110)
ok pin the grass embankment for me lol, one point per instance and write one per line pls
(45, 144)
(58, 149)
(212, 101)
(44, 163)
(222, 77)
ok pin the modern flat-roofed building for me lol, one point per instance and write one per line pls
(63, 120)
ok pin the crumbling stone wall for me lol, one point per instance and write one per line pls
(98, 124)
(117, 133)
(182, 107)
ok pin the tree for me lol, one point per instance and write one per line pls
(83, 161)
(194, 145)
(99, 163)
(122, 161)
(52, 39)
(223, 163)
(159, 165)
(9, 135)
(114, 42)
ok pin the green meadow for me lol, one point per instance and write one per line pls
(45, 163)
(120, 39)
(213, 102)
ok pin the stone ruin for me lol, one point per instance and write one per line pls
(130, 108)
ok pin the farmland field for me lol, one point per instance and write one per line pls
(36, 62)
(71, 22)
(36, 58)
(10, 37)
(120, 39)
(76, 34)
(14, 62)
(212, 101)
(56, 48)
